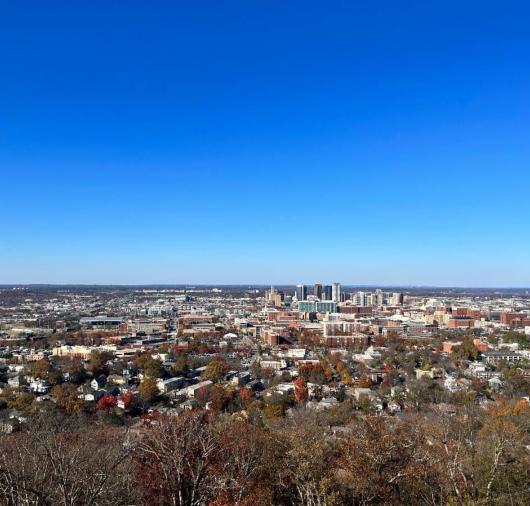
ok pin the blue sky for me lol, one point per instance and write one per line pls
(265, 142)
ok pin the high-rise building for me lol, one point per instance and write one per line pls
(269, 294)
(328, 292)
(335, 292)
(360, 299)
(277, 299)
(301, 292)
(396, 299)
(317, 291)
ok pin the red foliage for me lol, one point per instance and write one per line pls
(246, 395)
(268, 372)
(300, 390)
(128, 399)
(107, 402)
(312, 373)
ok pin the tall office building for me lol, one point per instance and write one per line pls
(317, 291)
(360, 299)
(301, 292)
(396, 299)
(335, 292)
(327, 292)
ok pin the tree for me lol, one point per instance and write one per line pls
(96, 364)
(107, 402)
(384, 462)
(21, 401)
(150, 366)
(307, 467)
(153, 368)
(466, 351)
(272, 411)
(41, 368)
(246, 395)
(128, 399)
(242, 471)
(181, 366)
(174, 458)
(67, 397)
(256, 370)
(515, 384)
(61, 460)
(300, 390)
(501, 460)
(314, 373)
(148, 389)
(215, 370)
(75, 371)
(218, 397)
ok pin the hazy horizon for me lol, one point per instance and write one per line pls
(259, 285)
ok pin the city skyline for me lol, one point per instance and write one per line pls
(264, 253)
(244, 144)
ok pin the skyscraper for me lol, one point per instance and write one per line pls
(396, 299)
(301, 292)
(360, 299)
(327, 292)
(317, 291)
(335, 292)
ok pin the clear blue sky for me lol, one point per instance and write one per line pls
(255, 142)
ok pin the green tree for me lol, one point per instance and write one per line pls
(148, 389)
(181, 365)
(153, 368)
(273, 411)
(215, 370)
(466, 351)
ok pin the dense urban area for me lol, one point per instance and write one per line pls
(307, 395)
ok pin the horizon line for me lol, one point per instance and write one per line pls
(250, 285)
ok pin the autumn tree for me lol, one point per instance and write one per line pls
(466, 351)
(128, 399)
(246, 395)
(305, 473)
(97, 363)
(384, 462)
(107, 402)
(66, 396)
(218, 397)
(300, 390)
(501, 459)
(364, 382)
(41, 368)
(273, 410)
(215, 370)
(174, 457)
(150, 366)
(241, 470)
(314, 373)
(181, 365)
(148, 389)
(64, 461)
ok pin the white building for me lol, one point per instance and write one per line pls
(166, 386)
(335, 292)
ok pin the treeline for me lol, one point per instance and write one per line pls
(475, 456)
